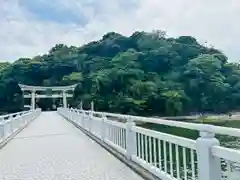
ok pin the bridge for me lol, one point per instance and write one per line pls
(75, 144)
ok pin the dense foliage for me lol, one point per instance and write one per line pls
(145, 74)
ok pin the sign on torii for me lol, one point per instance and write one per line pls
(34, 89)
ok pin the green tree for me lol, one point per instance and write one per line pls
(147, 73)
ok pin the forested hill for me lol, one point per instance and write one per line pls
(144, 74)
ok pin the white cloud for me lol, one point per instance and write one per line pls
(215, 21)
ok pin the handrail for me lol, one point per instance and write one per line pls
(193, 126)
(167, 156)
(11, 123)
(12, 114)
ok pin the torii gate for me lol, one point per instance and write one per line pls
(34, 95)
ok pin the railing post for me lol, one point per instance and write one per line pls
(74, 115)
(209, 167)
(71, 114)
(103, 127)
(131, 146)
(78, 117)
(2, 129)
(17, 124)
(14, 123)
(83, 120)
(90, 122)
(19, 120)
(11, 123)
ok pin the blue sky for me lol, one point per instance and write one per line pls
(32, 27)
(45, 11)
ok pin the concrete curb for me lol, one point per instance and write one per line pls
(145, 174)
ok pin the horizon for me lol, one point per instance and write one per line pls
(30, 28)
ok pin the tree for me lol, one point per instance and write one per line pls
(205, 82)
(73, 78)
(147, 73)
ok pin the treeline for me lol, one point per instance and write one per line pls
(144, 74)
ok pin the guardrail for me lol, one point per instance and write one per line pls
(11, 123)
(167, 156)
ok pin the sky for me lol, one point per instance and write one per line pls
(31, 27)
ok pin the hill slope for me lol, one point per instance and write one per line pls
(146, 73)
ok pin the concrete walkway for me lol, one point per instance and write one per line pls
(51, 148)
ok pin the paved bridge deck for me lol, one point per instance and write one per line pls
(51, 148)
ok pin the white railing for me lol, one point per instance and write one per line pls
(169, 157)
(11, 123)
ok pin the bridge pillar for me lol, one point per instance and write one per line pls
(64, 99)
(209, 167)
(33, 100)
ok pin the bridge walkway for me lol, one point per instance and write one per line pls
(51, 148)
